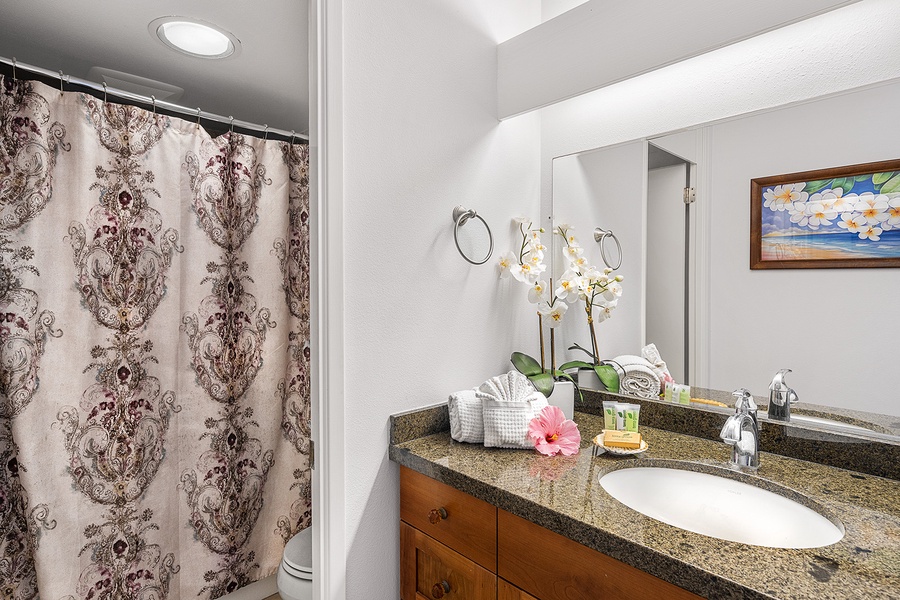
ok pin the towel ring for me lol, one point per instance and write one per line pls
(600, 236)
(461, 216)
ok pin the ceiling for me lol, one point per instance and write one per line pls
(265, 83)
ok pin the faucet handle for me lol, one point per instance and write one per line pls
(780, 392)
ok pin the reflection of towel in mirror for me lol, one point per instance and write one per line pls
(509, 404)
(466, 421)
(657, 364)
(640, 377)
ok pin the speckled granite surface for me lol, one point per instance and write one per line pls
(563, 495)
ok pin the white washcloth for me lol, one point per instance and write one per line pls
(509, 404)
(640, 378)
(466, 420)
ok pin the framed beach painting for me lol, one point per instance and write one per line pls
(832, 218)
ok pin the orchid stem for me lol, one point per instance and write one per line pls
(552, 353)
(541, 332)
(593, 338)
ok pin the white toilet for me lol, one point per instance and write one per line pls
(294, 578)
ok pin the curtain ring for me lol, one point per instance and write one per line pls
(230, 118)
(61, 79)
(198, 117)
(292, 137)
(600, 236)
(104, 91)
(153, 99)
(265, 132)
(14, 67)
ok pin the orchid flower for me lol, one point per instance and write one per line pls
(507, 260)
(553, 434)
(538, 292)
(552, 315)
(569, 284)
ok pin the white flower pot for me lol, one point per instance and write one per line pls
(588, 380)
(563, 396)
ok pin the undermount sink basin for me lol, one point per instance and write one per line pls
(720, 507)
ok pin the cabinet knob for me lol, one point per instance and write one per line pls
(436, 514)
(439, 589)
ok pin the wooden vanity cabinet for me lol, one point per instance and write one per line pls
(456, 546)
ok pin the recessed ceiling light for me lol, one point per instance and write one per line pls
(194, 37)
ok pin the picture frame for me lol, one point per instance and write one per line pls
(841, 217)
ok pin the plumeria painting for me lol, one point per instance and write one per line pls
(842, 217)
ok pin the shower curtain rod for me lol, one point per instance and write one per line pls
(160, 104)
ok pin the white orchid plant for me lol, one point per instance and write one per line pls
(599, 291)
(527, 266)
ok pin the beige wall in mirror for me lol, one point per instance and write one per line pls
(783, 102)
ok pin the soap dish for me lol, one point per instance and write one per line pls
(599, 448)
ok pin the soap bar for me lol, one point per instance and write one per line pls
(621, 439)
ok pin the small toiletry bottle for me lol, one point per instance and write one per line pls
(632, 416)
(621, 407)
(684, 396)
(609, 414)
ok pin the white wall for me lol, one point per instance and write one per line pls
(831, 326)
(421, 136)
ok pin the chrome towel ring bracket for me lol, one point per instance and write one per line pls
(461, 216)
(601, 235)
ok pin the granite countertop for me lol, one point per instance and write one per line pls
(563, 495)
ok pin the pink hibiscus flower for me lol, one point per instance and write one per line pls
(552, 433)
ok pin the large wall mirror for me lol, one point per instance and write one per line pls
(688, 286)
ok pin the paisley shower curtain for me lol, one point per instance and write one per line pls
(154, 351)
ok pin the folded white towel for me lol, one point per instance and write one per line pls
(509, 404)
(652, 355)
(640, 378)
(466, 420)
(506, 421)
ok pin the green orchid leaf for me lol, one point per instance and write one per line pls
(585, 350)
(543, 382)
(892, 186)
(525, 364)
(865, 177)
(879, 178)
(575, 364)
(608, 376)
(814, 186)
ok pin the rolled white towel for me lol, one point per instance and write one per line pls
(509, 403)
(640, 379)
(466, 417)
(651, 353)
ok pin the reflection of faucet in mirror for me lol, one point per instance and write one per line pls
(741, 431)
(781, 397)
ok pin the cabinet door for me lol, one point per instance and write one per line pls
(549, 565)
(507, 591)
(454, 518)
(430, 570)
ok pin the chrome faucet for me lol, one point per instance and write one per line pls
(741, 431)
(780, 397)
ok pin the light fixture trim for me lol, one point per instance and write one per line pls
(195, 37)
